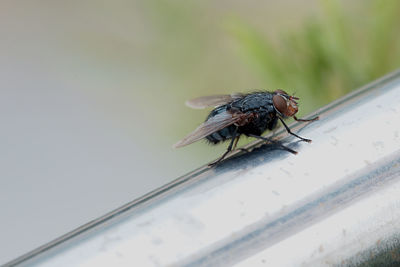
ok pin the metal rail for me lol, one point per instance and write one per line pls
(335, 203)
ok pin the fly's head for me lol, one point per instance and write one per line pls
(284, 103)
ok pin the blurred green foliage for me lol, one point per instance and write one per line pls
(331, 54)
(329, 48)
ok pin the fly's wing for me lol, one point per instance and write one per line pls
(212, 100)
(212, 125)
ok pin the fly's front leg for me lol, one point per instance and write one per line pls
(309, 120)
(290, 132)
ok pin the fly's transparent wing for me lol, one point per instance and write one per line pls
(212, 100)
(212, 125)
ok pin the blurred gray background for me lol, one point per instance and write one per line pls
(92, 93)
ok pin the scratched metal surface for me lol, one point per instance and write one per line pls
(335, 203)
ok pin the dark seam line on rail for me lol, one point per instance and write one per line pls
(302, 211)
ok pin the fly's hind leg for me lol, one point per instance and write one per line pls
(235, 144)
(234, 139)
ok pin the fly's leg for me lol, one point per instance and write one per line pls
(223, 155)
(228, 150)
(309, 120)
(236, 142)
(290, 132)
(274, 142)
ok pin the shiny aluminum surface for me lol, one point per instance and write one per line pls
(335, 203)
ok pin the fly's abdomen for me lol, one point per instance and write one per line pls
(221, 135)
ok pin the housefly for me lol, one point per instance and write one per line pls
(243, 114)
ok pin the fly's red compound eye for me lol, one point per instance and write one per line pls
(280, 103)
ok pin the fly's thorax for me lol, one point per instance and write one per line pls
(254, 102)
